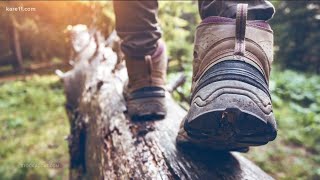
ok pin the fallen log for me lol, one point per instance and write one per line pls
(105, 144)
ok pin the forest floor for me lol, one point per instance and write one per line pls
(34, 127)
(7, 73)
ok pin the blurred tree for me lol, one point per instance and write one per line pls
(15, 45)
(11, 49)
(41, 31)
(296, 25)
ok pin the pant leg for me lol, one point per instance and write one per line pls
(257, 9)
(137, 26)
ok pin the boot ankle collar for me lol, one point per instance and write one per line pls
(223, 20)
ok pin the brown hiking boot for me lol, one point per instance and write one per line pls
(231, 105)
(145, 93)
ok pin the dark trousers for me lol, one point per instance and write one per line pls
(137, 26)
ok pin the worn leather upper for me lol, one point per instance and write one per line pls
(218, 39)
(149, 71)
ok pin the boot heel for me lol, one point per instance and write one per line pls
(147, 108)
(231, 114)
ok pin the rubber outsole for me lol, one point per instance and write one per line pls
(229, 115)
(233, 130)
(228, 132)
(150, 108)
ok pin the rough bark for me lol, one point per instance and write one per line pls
(105, 144)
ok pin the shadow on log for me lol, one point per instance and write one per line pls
(105, 144)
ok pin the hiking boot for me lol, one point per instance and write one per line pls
(230, 105)
(145, 92)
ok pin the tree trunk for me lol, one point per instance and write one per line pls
(105, 144)
(15, 46)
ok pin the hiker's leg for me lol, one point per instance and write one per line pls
(230, 105)
(137, 26)
(146, 60)
(257, 9)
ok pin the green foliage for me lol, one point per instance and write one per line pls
(296, 99)
(33, 126)
(178, 21)
(296, 25)
(295, 153)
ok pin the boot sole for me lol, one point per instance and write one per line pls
(230, 115)
(147, 108)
